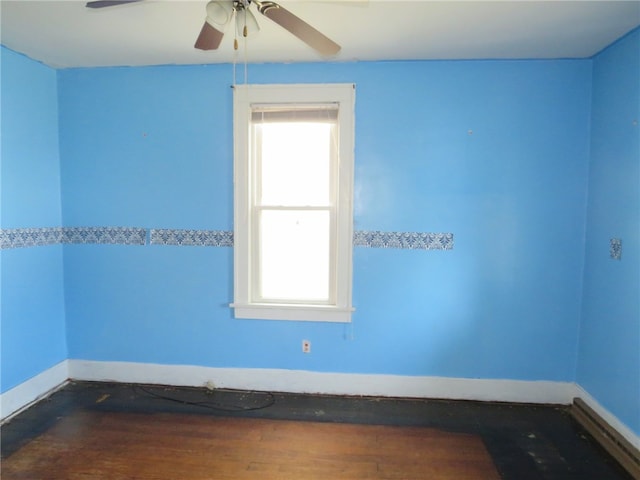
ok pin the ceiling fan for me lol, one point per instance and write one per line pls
(221, 12)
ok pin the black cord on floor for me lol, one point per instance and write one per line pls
(224, 407)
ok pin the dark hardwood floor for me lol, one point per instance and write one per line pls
(169, 446)
(114, 431)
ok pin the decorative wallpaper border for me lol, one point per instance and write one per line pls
(29, 237)
(403, 240)
(202, 238)
(33, 237)
(615, 248)
(108, 235)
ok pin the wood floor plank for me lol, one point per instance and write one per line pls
(98, 445)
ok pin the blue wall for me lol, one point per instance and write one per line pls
(609, 358)
(32, 325)
(500, 153)
(152, 147)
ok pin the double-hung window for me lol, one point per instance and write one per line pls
(293, 197)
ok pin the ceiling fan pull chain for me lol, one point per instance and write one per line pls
(235, 29)
(235, 50)
(246, 70)
(245, 30)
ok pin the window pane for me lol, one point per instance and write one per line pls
(296, 164)
(294, 255)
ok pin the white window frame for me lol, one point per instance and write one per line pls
(339, 309)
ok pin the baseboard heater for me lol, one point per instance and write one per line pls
(618, 447)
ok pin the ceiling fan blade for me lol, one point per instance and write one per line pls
(209, 38)
(301, 29)
(109, 3)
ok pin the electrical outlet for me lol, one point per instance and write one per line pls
(306, 346)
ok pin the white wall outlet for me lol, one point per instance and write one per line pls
(306, 346)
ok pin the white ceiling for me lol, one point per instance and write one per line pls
(155, 32)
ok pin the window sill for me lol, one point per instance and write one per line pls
(305, 313)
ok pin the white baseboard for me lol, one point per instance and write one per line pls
(296, 381)
(22, 396)
(608, 417)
